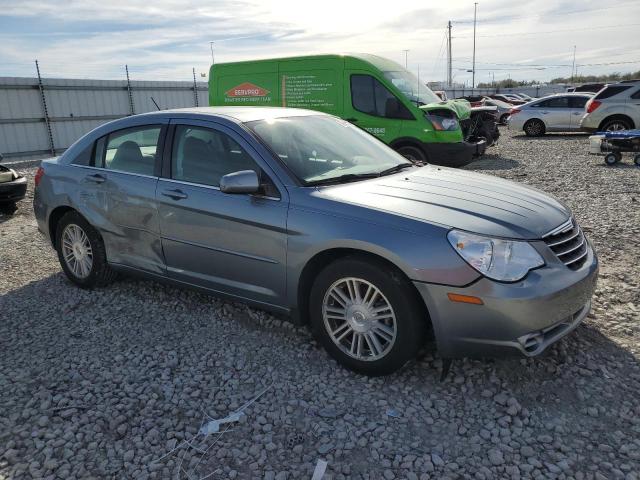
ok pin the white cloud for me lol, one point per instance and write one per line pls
(165, 38)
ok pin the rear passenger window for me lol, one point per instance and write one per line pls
(203, 155)
(132, 150)
(556, 102)
(611, 91)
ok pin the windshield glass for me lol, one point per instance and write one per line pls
(410, 86)
(319, 148)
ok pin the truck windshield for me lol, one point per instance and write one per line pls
(321, 149)
(410, 86)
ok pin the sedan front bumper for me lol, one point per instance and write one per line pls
(523, 318)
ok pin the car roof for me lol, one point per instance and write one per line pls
(238, 114)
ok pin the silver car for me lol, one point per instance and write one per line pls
(304, 214)
(555, 113)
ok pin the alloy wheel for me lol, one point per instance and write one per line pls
(76, 250)
(359, 319)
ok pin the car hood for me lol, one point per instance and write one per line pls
(460, 199)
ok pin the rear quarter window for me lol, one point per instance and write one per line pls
(611, 91)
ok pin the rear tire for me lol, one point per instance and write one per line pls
(413, 153)
(366, 316)
(534, 128)
(504, 118)
(81, 252)
(614, 124)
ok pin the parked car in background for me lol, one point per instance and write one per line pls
(525, 97)
(13, 186)
(560, 112)
(615, 107)
(504, 109)
(587, 87)
(442, 95)
(507, 99)
(302, 213)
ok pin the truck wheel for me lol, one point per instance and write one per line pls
(534, 128)
(611, 158)
(365, 316)
(81, 252)
(614, 124)
(412, 153)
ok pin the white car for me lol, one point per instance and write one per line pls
(555, 113)
(615, 107)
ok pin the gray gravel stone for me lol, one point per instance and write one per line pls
(102, 383)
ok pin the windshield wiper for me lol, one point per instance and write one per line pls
(396, 168)
(342, 178)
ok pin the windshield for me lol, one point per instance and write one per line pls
(410, 86)
(319, 149)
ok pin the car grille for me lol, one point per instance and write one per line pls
(569, 244)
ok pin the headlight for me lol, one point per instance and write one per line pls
(502, 260)
(443, 123)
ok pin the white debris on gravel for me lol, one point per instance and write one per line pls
(100, 384)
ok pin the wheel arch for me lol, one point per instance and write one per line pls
(323, 258)
(620, 116)
(54, 218)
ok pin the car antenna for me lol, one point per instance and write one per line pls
(155, 103)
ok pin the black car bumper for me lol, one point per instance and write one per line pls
(454, 154)
(13, 191)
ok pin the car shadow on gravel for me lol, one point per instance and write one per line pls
(552, 137)
(493, 162)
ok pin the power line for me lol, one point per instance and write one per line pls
(541, 15)
(552, 31)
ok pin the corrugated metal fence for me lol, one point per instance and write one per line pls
(42, 118)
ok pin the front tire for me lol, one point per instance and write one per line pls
(81, 252)
(534, 128)
(366, 316)
(413, 153)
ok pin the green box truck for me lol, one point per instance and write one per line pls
(374, 93)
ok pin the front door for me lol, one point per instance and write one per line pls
(231, 243)
(371, 106)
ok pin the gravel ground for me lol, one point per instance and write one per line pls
(107, 383)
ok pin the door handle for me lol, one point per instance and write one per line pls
(544, 113)
(97, 178)
(577, 113)
(175, 194)
(352, 120)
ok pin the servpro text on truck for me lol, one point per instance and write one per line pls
(374, 93)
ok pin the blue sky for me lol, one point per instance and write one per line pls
(165, 39)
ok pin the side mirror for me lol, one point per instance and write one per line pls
(244, 181)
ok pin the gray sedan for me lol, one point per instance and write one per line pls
(306, 215)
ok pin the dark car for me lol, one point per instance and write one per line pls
(13, 186)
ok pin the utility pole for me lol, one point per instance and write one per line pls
(212, 59)
(449, 60)
(473, 75)
(406, 53)
(573, 67)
